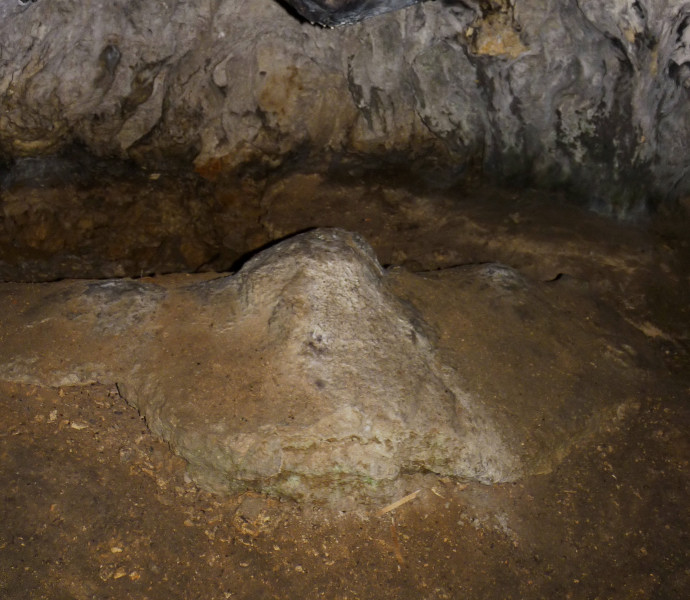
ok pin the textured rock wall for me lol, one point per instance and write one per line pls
(588, 95)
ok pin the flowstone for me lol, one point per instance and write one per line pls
(313, 373)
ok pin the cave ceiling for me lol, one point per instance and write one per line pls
(587, 97)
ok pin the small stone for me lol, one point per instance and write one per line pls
(105, 572)
(126, 454)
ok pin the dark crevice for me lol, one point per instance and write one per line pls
(681, 29)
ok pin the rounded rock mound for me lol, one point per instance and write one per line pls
(315, 374)
(312, 379)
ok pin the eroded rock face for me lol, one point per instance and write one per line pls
(315, 374)
(589, 96)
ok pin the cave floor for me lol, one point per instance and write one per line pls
(93, 506)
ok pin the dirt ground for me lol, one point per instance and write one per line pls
(94, 507)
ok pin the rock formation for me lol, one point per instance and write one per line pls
(315, 374)
(590, 96)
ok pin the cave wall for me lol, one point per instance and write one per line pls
(588, 95)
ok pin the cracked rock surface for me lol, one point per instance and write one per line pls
(315, 374)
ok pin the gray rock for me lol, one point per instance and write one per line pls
(584, 95)
(315, 374)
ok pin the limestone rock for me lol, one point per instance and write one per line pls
(582, 95)
(313, 373)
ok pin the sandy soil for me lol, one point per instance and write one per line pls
(93, 506)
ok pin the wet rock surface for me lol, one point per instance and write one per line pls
(589, 97)
(315, 374)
